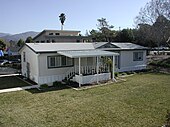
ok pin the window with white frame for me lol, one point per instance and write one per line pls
(59, 61)
(137, 56)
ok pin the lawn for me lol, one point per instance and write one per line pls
(11, 82)
(141, 101)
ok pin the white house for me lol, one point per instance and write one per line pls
(49, 62)
(83, 62)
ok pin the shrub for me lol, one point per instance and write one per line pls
(43, 86)
(123, 73)
(116, 74)
(57, 83)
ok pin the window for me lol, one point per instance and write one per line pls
(63, 61)
(42, 41)
(24, 56)
(57, 33)
(69, 61)
(50, 33)
(52, 62)
(137, 56)
(59, 61)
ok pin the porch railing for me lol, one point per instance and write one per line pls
(85, 70)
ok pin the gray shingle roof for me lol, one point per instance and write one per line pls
(128, 46)
(87, 53)
(99, 44)
(54, 47)
(117, 46)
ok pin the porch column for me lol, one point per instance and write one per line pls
(113, 69)
(75, 66)
(79, 71)
(97, 69)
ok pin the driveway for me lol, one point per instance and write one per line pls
(8, 70)
(11, 82)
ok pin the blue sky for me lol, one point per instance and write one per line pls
(18, 16)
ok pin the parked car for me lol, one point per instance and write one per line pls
(3, 62)
(15, 61)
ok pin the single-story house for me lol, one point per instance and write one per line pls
(45, 63)
(83, 62)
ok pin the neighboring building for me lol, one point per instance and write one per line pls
(53, 36)
(131, 56)
(13, 51)
(49, 62)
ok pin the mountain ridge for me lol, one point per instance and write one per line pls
(15, 37)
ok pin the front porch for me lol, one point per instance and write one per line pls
(88, 67)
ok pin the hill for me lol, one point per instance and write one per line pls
(3, 34)
(16, 37)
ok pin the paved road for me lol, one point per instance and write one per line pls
(7, 70)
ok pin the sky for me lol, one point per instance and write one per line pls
(17, 16)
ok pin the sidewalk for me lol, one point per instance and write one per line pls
(18, 89)
(9, 75)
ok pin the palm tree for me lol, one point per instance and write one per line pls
(62, 19)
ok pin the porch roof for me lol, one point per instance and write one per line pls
(87, 53)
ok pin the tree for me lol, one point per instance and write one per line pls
(29, 40)
(142, 36)
(152, 11)
(160, 31)
(2, 44)
(20, 43)
(105, 29)
(126, 35)
(156, 34)
(104, 32)
(154, 18)
(62, 19)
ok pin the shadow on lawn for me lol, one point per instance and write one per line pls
(47, 89)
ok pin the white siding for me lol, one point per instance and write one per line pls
(32, 59)
(127, 63)
(48, 75)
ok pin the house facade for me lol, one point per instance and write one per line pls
(53, 36)
(49, 62)
(81, 62)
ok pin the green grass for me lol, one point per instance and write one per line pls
(11, 82)
(141, 101)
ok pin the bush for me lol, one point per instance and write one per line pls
(123, 73)
(116, 74)
(43, 86)
(163, 63)
(130, 72)
(57, 83)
